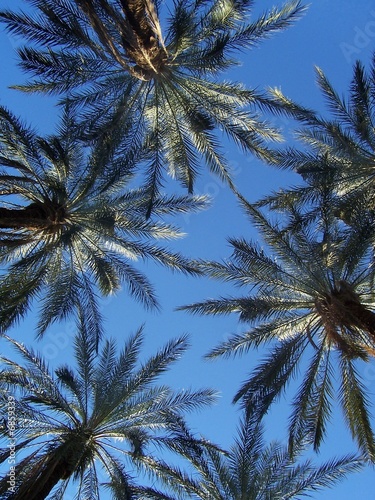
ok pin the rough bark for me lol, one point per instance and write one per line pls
(42, 489)
(145, 46)
(140, 33)
(30, 217)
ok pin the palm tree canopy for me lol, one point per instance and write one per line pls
(252, 469)
(338, 148)
(71, 227)
(160, 88)
(101, 417)
(312, 294)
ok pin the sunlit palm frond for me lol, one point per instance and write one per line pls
(338, 149)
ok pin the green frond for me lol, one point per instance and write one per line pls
(271, 377)
(62, 297)
(274, 20)
(324, 476)
(40, 383)
(73, 385)
(188, 400)
(312, 403)
(252, 469)
(337, 150)
(356, 407)
(17, 291)
(335, 103)
(89, 227)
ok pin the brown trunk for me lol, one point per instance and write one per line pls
(140, 34)
(61, 472)
(41, 484)
(101, 31)
(136, 14)
(362, 317)
(31, 217)
(144, 45)
(356, 314)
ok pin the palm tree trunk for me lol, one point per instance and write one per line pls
(145, 45)
(362, 317)
(356, 314)
(30, 217)
(42, 478)
(342, 309)
(140, 33)
(43, 488)
(136, 14)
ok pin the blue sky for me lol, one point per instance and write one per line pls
(331, 35)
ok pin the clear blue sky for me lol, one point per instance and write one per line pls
(332, 34)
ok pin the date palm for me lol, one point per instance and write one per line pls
(311, 295)
(255, 470)
(78, 425)
(71, 227)
(338, 148)
(160, 87)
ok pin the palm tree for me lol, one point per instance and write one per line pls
(339, 148)
(76, 425)
(253, 470)
(70, 226)
(312, 298)
(160, 88)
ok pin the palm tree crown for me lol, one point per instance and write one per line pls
(160, 89)
(102, 417)
(70, 226)
(339, 148)
(253, 470)
(313, 293)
